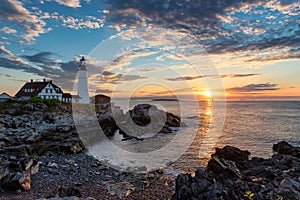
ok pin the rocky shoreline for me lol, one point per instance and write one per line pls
(231, 175)
(43, 157)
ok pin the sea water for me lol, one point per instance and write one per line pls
(249, 125)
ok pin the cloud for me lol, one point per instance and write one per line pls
(222, 27)
(14, 11)
(188, 78)
(90, 22)
(42, 58)
(46, 65)
(151, 69)
(237, 75)
(8, 30)
(185, 78)
(69, 3)
(254, 88)
(10, 56)
(115, 78)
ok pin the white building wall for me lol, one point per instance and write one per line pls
(82, 87)
(47, 94)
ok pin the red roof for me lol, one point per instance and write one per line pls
(37, 86)
(100, 98)
(66, 95)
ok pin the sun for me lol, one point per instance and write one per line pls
(207, 93)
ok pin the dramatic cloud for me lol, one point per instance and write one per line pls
(115, 78)
(185, 78)
(42, 58)
(7, 54)
(222, 27)
(14, 11)
(254, 88)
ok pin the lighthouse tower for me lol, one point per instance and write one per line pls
(82, 88)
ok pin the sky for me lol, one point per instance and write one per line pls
(243, 50)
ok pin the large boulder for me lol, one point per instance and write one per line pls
(285, 148)
(234, 154)
(144, 114)
(140, 114)
(109, 126)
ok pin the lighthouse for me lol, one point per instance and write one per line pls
(82, 88)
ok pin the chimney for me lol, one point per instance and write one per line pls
(31, 80)
(50, 81)
(44, 80)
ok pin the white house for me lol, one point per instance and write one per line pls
(4, 97)
(45, 90)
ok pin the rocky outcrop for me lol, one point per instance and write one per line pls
(109, 126)
(286, 149)
(229, 153)
(230, 175)
(144, 114)
(25, 137)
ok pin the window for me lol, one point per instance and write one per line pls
(46, 90)
(50, 91)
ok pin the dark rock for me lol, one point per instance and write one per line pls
(126, 136)
(165, 130)
(285, 148)
(172, 120)
(227, 167)
(144, 114)
(63, 191)
(19, 150)
(109, 126)
(140, 114)
(230, 179)
(73, 192)
(289, 189)
(183, 187)
(19, 181)
(234, 154)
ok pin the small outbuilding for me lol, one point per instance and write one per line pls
(4, 97)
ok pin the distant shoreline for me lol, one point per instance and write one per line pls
(164, 100)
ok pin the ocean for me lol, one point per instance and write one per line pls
(249, 125)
